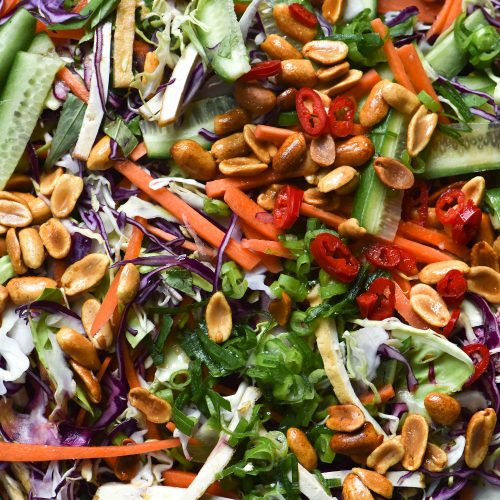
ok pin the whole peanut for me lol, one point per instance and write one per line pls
(194, 160)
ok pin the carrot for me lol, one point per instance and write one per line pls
(403, 283)
(80, 6)
(217, 188)
(393, 59)
(141, 48)
(59, 268)
(270, 262)
(267, 247)
(7, 6)
(326, 217)
(363, 87)
(403, 307)
(20, 452)
(486, 231)
(272, 134)
(139, 151)
(427, 11)
(182, 211)
(432, 237)
(182, 479)
(422, 253)
(386, 392)
(240, 8)
(247, 209)
(130, 373)
(438, 26)
(75, 83)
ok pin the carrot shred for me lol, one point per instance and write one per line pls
(386, 392)
(267, 247)
(80, 6)
(182, 479)
(326, 217)
(139, 151)
(438, 25)
(141, 48)
(20, 452)
(7, 6)
(59, 267)
(486, 231)
(427, 11)
(393, 59)
(365, 84)
(182, 211)
(217, 188)
(402, 282)
(422, 253)
(60, 34)
(453, 13)
(75, 84)
(404, 309)
(270, 262)
(272, 134)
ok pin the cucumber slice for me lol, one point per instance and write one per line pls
(222, 39)
(492, 201)
(478, 151)
(199, 114)
(21, 104)
(15, 35)
(377, 207)
(42, 44)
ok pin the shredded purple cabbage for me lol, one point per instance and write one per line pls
(25, 310)
(222, 248)
(464, 89)
(195, 82)
(48, 11)
(490, 324)
(72, 435)
(208, 135)
(115, 390)
(80, 247)
(431, 374)
(405, 40)
(60, 90)
(403, 16)
(324, 24)
(484, 114)
(491, 19)
(94, 222)
(392, 353)
(97, 63)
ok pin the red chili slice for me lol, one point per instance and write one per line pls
(448, 205)
(408, 264)
(416, 200)
(452, 287)
(466, 224)
(341, 116)
(455, 314)
(379, 301)
(366, 303)
(383, 256)
(287, 207)
(302, 15)
(262, 70)
(311, 112)
(334, 257)
(479, 366)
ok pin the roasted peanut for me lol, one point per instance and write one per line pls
(325, 52)
(128, 284)
(78, 348)
(435, 458)
(27, 289)
(302, 448)
(290, 154)
(420, 130)
(364, 440)
(254, 98)
(194, 160)
(350, 228)
(354, 152)
(375, 482)
(393, 173)
(103, 339)
(485, 282)
(14, 211)
(345, 418)
(432, 273)
(329, 74)
(286, 100)
(31, 247)
(325, 201)
(496, 246)
(429, 305)
(99, 157)
(266, 199)
(443, 409)
(232, 146)
(242, 167)
(56, 238)
(276, 47)
(474, 189)
(48, 180)
(231, 121)
(298, 73)
(374, 109)
(486, 232)
(343, 180)
(414, 439)
(219, 318)
(14, 251)
(4, 297)
(3, 247)
(478, 436)
(19, 182)
(66, 192)
(347, 81)
(322, 150)
(290, 26)
(155, 409)
(354, 489)
(386, 455)
(39, 210)
(126, 468)
(264, 151)
(331, 10)
(400, 98)
(281, 308)
(482, 254)
(84, 274)
(91, 384)
(307, 167)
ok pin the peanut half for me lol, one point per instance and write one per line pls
(194, 160)
(14, 211)
(478, 436)
(400, 98)
(31, 247)
(91, 384)
(420, 130)
(84, 274)
(345, 418)
(231, 121)
(14, 251)
(414, 439)
(302, 448)
(429, 305)
(333, 72)
(290, 26)
(474, 189)
(374, 109)
(435, 458)
(99, 157)
(267, 198)
(432, 273)
(388, 454)
(354, 489)
(254, 98)
(393, 173)
(443, 409)
(322, 150)
(363, 441)
(281, 308)
(155, 409)
(242, 167)
(350, 228)
(354, 152)
(347, 81)
(264, 151)
(67, 190)
(48, 180)
(56, 238)
(232, 146)
(298, 73)
(375, 482)
(78, 348)
(485, 282)
(27, 289)
(325, 52)
(219, 318)
(483, 254)
(276, 47)
(103, 339)
(128, 284)
(344, 180)
(290, 154)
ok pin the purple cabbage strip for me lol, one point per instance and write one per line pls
(466, 90)
(405, 40)
(115, 151)
(80, 247)
(432, 374)
(488, 380)
(484, 114)
(491, 19)
(122, 194)
(490, 325)
(94, 222)
(33, 160)
(47, 306)
(392, 353)
(41, 384)
(127, 427)
(208, 135)
(195, 82)
(222, 248)
(324, 24)
(403, 16)
(48, 11)
(72, 435)
(115, 389)
(97, 63)
(60, 90)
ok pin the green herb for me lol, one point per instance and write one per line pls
(292, 286)
(156, 352)
(216, 207)
(475, 101)
(120, 133)
(234, 285)
(288, 119)
(428, 101)
(180, 279)
(451, 94)
(402, 29)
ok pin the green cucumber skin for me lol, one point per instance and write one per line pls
(21, 103)
(481, 152)
(15, 35)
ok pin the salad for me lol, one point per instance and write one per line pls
(249, 250)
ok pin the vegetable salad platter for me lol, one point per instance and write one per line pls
(249, 250)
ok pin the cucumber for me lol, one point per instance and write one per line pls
(479, 82)
(21, 103)
(352, 9)
(378, 208)
(42, 44)
(221, 36)
(492, 201)
(200, 114)
(478, 151)
(15, 35)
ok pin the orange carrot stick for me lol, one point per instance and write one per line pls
(75, 84)
(272, 134)
(271, 263)
(427, 11)
(130, 373)
(7, 6)
(393, 59)
(217, 188)
(247, 209)
(403, 307)
(139, 151)
(141, 48)
(422, 253)
(60, 34)
(326, 217)
(386, 392)
(438, 25)
(80, 6)
(403, 283)
(453, 13)
(182, 479)
(182, 211)
(19, 452)
(267, 247)
(363, 87)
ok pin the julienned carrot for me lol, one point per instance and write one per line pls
(182, 479)
(130, 373)
(271, 263)
(427, 11)
(393, 59)
(141, 48)
(217, 188)
(248, 210)
(75, 84)
(438, 25)
(405, 310)
(19, 452)
(139, 151)
(267, 247)
(327, 217)
(272, 134)
(60, 34)
(422, 253)
(363, 87)
(453, 13)
(386, 392)
(486, 231)
(80, 5)
(183, 212)
(7, 6)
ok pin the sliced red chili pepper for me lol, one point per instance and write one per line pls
(262, 70)
(416, 202)
(341, 116)
(448, 205)
(382, 307)
(452, 287)
(455, 314)
(312, 114)
(287, 207)
(366, 303)
(383, 256)
(302, 15)
(472, 350)
(408, 264)
(466, 224)
(334, 257)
